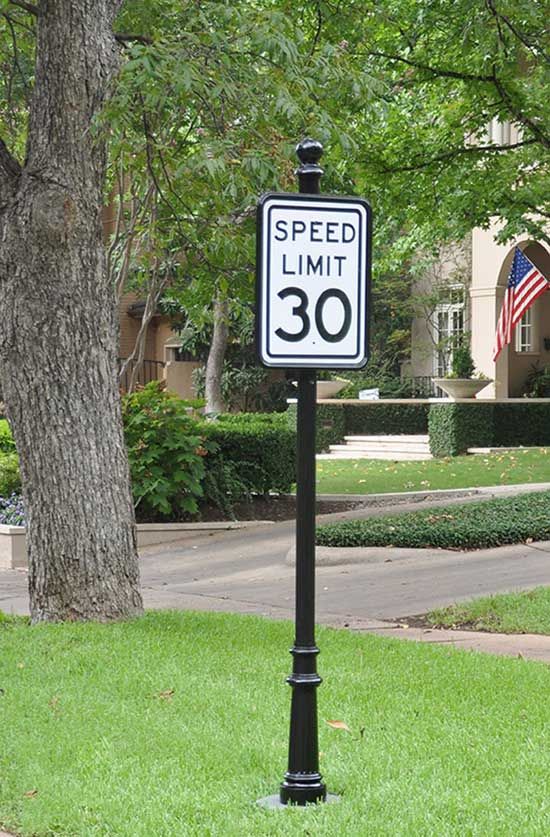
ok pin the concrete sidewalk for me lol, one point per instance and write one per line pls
(522, 646)
(245, 571)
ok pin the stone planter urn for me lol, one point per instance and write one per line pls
(461, 387)
(327, 389)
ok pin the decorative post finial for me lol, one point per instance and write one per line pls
(309, 152)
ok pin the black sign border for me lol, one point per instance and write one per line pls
(260, 223)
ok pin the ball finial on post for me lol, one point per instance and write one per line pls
(309, 152)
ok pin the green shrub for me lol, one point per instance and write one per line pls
(537, 383)
(330, 425)
(462, 364)
(10, 478)
(166, 450)
(453, 428)
(257, 451)
(329, 422)
(463, 526)
(521, 424)
(7, 443)
(380, 418)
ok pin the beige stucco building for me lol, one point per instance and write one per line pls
(470, 283)
(463, 293)
(163, 359)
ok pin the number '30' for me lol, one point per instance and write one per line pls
(301, 311)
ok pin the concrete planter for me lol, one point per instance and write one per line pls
(327, 389)
(13, 552)
(461, 387)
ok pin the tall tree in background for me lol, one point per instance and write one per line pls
(446, 72)
(58, 344)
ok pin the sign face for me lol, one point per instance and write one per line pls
(313, 275)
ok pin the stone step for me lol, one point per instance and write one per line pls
(413, 447)
(420, 438)
(399, 447)
(349, 453)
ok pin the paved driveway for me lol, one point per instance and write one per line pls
(245, 571)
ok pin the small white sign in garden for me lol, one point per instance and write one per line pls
(313, 274)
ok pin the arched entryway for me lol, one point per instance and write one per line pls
(530, 346)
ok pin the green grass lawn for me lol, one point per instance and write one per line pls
(508, 613)
(176, 723)
(475, 525)
(372, 476)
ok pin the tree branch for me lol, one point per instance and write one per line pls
(519, 116)
(124, 38)
(536, 50)
(435, 71)
(28, 7)
(9, 166)
(471, 149)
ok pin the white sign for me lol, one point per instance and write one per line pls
(312, 281)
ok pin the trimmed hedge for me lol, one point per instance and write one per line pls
(261, 449)
(380, 418)
(330, 424)
(453, 428)
(521, 424)
(464, 526)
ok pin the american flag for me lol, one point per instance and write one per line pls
(525, 284)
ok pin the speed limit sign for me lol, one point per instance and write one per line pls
(313, 273)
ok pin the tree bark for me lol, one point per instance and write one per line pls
(58, 346)
(216, 355)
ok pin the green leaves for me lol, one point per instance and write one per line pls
(464, 526)
(166, 450)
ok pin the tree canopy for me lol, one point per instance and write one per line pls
(444, 72)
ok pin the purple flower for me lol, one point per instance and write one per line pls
(12, 511)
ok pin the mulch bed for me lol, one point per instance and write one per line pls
(276, 507)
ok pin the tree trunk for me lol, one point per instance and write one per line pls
(58, 347)
(216, 355)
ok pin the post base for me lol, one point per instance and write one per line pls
(275, 801)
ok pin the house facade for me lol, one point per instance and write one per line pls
(463, 295)
(163, 358)
(466, 298)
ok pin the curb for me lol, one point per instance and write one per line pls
(436, 494)
(334, 556)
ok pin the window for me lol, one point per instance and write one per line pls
(525, 341)
(449, 329)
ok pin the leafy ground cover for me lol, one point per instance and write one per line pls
(526, 612)
(458, 526)
(176, 723)
(371, 476)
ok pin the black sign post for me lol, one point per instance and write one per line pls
(304, 247)
(302, 782)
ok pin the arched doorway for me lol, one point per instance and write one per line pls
(530, 346)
